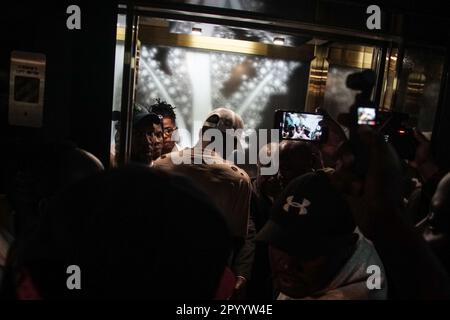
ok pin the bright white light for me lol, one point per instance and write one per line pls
(252, 95)
(278, 41)
(144, 53)
(196, 31)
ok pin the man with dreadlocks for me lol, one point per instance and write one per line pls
(166, 111)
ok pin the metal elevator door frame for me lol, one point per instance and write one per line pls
(128, 84)
(133, 11)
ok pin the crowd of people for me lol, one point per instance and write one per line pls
(206, 229)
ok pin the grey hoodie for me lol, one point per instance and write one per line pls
(351, 283)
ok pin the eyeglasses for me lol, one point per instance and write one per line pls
(169, 130)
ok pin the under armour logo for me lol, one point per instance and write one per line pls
(301, 206)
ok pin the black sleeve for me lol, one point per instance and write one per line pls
(245, 254)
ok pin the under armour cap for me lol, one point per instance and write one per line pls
(223, 119)
(309, 218)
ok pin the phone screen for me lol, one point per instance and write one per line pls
(367, 116)
(300, 126)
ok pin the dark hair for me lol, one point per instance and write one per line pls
(163, 109)
(43, 171)
(135, 233)
(143, 119)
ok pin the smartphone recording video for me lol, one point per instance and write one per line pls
(299, 125)
(367, 116)
(396, 128)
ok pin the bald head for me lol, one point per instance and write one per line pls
(225, 125)
(58, 166)
(223, 119)
(82, 164)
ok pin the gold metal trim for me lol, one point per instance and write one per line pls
(161, 36)
(120, 34)
(294, 25)
(353, 56)
(390, 80)
(318, 73)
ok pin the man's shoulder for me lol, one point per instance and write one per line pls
(208, 163)
(173, 158)
(234, 171)
(164, 158)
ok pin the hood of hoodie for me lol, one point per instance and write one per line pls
(352, 282)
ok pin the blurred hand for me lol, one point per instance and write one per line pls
(423, 151)
(239, 288)
(335, 136)
(423, 160)
(375, 199)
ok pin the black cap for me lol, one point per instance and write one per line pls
(144, 118)
(310, 218)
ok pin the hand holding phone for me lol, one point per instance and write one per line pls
(367, 116)
(301, 126)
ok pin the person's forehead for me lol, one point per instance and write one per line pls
(151, 127)
(285, 257)
(168, 121)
